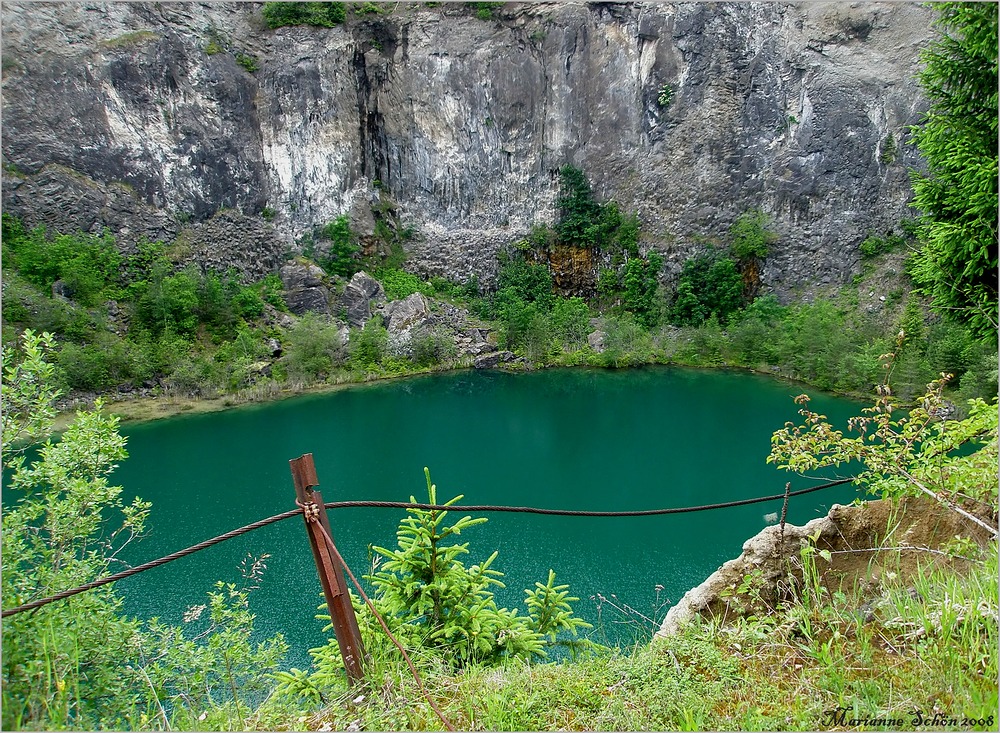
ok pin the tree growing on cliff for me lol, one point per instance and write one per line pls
(957, 262)
(752, 241)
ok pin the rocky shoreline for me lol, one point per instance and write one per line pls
(915, 527)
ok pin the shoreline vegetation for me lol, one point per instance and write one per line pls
(154, 336)
(160, 407)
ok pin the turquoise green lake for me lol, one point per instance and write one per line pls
(572, 439)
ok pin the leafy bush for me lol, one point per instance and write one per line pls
(442, 286)
(326, 15)
(63, 664)
(570, 319)
(902, 453)
(584, 222)
(431, 347)
(367, 347)
(399, 284)
(108, 362)
(524, 326)
(81, 664)
(250, 64)
(524, 281)
(626, 342)
(341, 257)
(484, 10)
(751, 238)
(311, 349)
(88, 265)
(271, 289)
(170, 302)
(873, 246)
(639, 291)
(709, 285)
(664, 95)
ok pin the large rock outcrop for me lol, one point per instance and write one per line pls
(772, 559)
(138, 117)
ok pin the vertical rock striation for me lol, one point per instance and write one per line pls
(139, 117)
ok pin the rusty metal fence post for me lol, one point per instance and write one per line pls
(331, 574)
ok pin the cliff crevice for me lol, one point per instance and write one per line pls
(145, 118)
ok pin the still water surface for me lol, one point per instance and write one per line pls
(573, 439)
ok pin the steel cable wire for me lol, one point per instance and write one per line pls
(398, 505)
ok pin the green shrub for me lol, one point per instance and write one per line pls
(470, 289)
(873, 246)
(709, 285)
(751, 238)
(368, 346)
(271, 291)
(88, 265)
(430, 348)
(570, 319)
(639, 288)
(626, 342)
(530, 283)
(368, 8)
(889, 150)
(398, 284)
(249, 63)
(484, 10)
(752, 341)
(526, 327)
(342, 256)
(311, 349)
(65, 665)
(326, 15)
(247, 303)
(107, 363)
(664, 95)
(170, 303)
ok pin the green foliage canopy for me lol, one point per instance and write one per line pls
(326, 15)
(88, 265)
(709, 285)
(341, 258)
(751, 238)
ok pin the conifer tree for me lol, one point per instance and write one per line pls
(957, 264)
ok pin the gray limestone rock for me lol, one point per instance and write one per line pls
(361, 294)
(298, 275)
(401, 315)
(494, 359)
(596, 341)
(115, 118)
(304, 288)
(62, 290)
(759, 552)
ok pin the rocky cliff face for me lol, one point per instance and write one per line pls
(139, 117)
